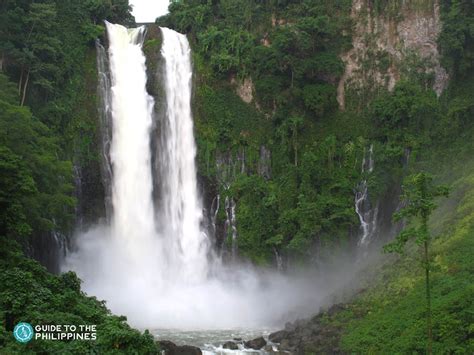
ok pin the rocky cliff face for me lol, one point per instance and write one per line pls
(391, 43)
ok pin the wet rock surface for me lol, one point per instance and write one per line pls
(256, 343)
(273, 350)
(230, 345)
(310, 336)
(171, 348)
(278, 336)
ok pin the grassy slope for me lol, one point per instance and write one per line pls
(390, 316)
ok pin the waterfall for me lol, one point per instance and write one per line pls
(228, 167)
(278, 259)
(181, 208)
(132, 110)
(151, 259)
(61, 243)
(367, 215)
(264, 163)
(215, 206)
(105, 116)
(149, 244)
(230, 227)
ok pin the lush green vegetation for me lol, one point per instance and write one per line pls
(48, 106)
(419, 194)
(29, 293)
(390, 317)
(35, 184)
(457, 38)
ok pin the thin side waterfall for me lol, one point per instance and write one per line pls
(105, 116)
(278, 259)
(215, 206)
(367, 215)
(230, 225)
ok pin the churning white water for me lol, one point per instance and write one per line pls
(132, 109)
(152, 261)
(181, 211)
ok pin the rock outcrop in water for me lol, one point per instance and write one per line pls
(230, 345)
(171, 348)
(310, 336)
(256, 343)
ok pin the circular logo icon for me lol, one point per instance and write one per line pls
(23, 332)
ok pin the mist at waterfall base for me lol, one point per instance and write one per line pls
(153, 262)
(234, 296)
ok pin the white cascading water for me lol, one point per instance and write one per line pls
(124, 253)
(231, 225)
(132, 111)
(367, 215)
(152, 260)
(181, 209)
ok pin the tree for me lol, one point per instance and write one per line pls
(456, 39)
(320, 98)
(288, 133)
(419, 195)
(41, 54)
(35, 184)
(295, 125)
(408, 109)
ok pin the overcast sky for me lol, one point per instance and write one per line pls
(149, 10)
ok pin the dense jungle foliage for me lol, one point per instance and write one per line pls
(29, 293)
(45, 58)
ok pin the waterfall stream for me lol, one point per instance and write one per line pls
(367, 215)
(231, 225)
(151, 260)
(181, 209)
(105, 116)
(133, 221)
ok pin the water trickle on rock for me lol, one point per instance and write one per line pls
(366, 213)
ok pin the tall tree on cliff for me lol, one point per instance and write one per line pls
(419, 195)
